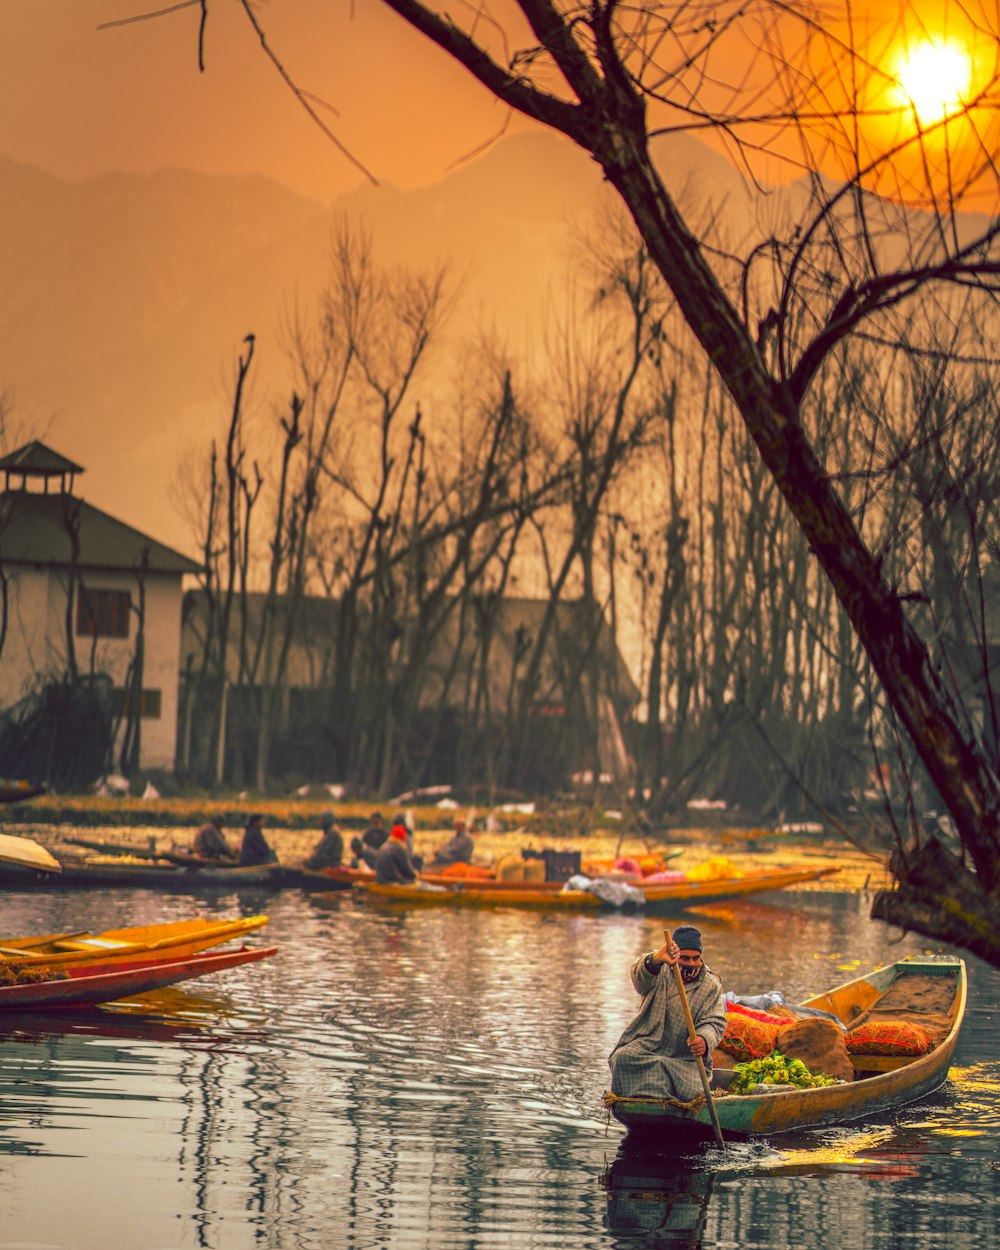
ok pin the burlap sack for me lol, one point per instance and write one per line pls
(820, 1044)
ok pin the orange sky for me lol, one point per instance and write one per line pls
(76, 100)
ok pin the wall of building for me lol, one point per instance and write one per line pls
(35, 646)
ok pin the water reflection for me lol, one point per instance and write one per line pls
(657, 1195)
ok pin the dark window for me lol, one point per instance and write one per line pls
(102, 613)
(149, 706)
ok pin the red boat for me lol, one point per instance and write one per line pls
(84, 986)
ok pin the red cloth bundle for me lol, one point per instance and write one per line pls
(889, 1037)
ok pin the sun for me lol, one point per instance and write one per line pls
(934, 80)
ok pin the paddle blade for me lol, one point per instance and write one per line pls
(27, 853)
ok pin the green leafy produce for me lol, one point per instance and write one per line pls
(776, 1070)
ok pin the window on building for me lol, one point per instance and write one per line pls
(102, 613)
(149, 706)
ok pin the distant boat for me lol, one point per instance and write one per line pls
(550, 895)
(26, 854)
(18, 791)
(881, 1083)
(173, 878)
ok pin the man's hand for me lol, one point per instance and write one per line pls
(697, 1045)
(668, 954)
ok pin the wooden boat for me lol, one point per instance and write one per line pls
(26, 853)
(445, 896)
(170, 877)
(881, 1083)
(688, 893)
(87, 987)
(174, 940)
(552, 896)
(18, 791)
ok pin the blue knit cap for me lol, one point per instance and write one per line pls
(688, 938)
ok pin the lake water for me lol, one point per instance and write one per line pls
(428, 1078)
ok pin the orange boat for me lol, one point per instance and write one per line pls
(86, 987)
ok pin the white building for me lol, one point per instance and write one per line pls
(74, 579)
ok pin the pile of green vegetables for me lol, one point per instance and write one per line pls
(776, 1070)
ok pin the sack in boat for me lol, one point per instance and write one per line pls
(510, 868)
(464, 871)
(746, 1038)
(889, 1037)
(534, 870)
(820, 1044)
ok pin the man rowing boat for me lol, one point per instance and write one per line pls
(654, 1057)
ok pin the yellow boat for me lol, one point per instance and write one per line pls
(176, 939)
(455, 896)
(551, 896)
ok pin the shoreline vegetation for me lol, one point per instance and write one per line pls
(292, 828)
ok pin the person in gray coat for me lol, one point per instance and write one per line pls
(393, 865)
(654, 1057)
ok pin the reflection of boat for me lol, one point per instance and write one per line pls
(552, 895)
(170, 877)
(87, 987)
(881, 1083)
(171, 941)
(654, 1193)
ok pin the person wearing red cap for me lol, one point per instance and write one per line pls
(654, 1057)
(393, 865)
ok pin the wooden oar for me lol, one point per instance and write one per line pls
(705, 1083)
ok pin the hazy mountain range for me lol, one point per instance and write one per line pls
(126, 298)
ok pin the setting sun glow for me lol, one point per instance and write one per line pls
(934, 81)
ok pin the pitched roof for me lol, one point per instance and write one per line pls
(35, 530)
(35, 458)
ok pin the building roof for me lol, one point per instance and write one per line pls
(35, 529)
(35, 459)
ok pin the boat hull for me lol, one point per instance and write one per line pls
(415, 896)
(89, 988)
(904, 1081)
(171, 878)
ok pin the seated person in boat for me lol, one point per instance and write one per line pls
(210, 842)
(654, 1057)
(365, 848)
(458, 849)
(254, 850)
(393, 865)
(329, 850)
